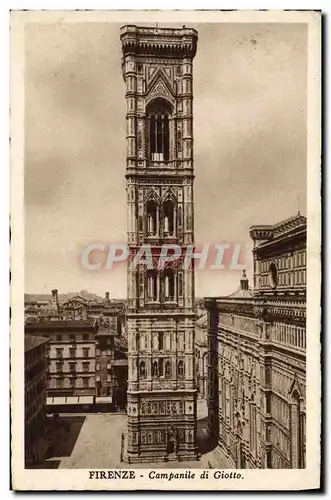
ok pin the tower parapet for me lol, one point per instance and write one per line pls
(162, 42)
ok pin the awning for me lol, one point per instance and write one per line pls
(85, 400)
(56, 400)
(104, 399)
(60, 400)
(70, 400)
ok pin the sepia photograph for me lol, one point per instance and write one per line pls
(165, 218)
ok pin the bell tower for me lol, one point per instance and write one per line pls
(157, 67)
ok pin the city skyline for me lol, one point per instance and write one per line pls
(75, 145)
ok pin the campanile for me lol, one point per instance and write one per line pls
(157, 67)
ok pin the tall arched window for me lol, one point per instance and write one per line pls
(180, 285)
(139, 141)
(142, 370)
(167, 370)
(180, 369)
(169, 285)
(297, 434)
(152, 219)
(160, 341)
(252, 427)
(179, 141)
(158, 114)
(168, 218)
(167, 341)
(152, 286)
(155, 369)
(180, 218)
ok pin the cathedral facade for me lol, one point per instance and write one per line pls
(157, 67)
(257, 355)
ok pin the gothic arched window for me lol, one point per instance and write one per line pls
(142, 370)
(180, 369)
(160, 341)
(152, 222)
(152, 285)
(158, 113)
(155, 369)
(169, 285)
(167, 370)
(179, 141)
(167, 341)
(168, 218)
(180, 285)
(297, 432)
(139, 140)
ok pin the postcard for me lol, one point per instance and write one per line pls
(165, 250)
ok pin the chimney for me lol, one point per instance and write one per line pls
(55, 301)
(84, 314)
(107, 297)
(244, 281)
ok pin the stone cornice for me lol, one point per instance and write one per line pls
(164, 42)
(265, 234)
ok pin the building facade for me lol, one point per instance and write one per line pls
(71, 373)
(257, 355)
(157, 67)
(35, 381)
(104, 358)
(81, 306)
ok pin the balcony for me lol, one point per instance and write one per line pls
(152, 234)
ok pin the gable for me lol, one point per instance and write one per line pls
(295, 387)
(160, 87)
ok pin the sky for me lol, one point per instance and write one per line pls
(249, 145)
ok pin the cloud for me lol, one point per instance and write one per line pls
(249, 141)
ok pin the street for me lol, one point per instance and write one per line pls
(93, 441)
(98, 444)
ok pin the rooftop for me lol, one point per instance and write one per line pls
(63, 297)
(266, 232)
(59, 325)
(156, 31)
(32, 341)
(159, 41)
(106, 332)
(241, 294)
(202, 321)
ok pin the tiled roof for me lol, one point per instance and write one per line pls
(32, 341)
(106, 332)
(63, 297)
(202, 321)
(44, 326)
(241, 294)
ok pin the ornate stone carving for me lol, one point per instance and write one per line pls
(152, 66)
